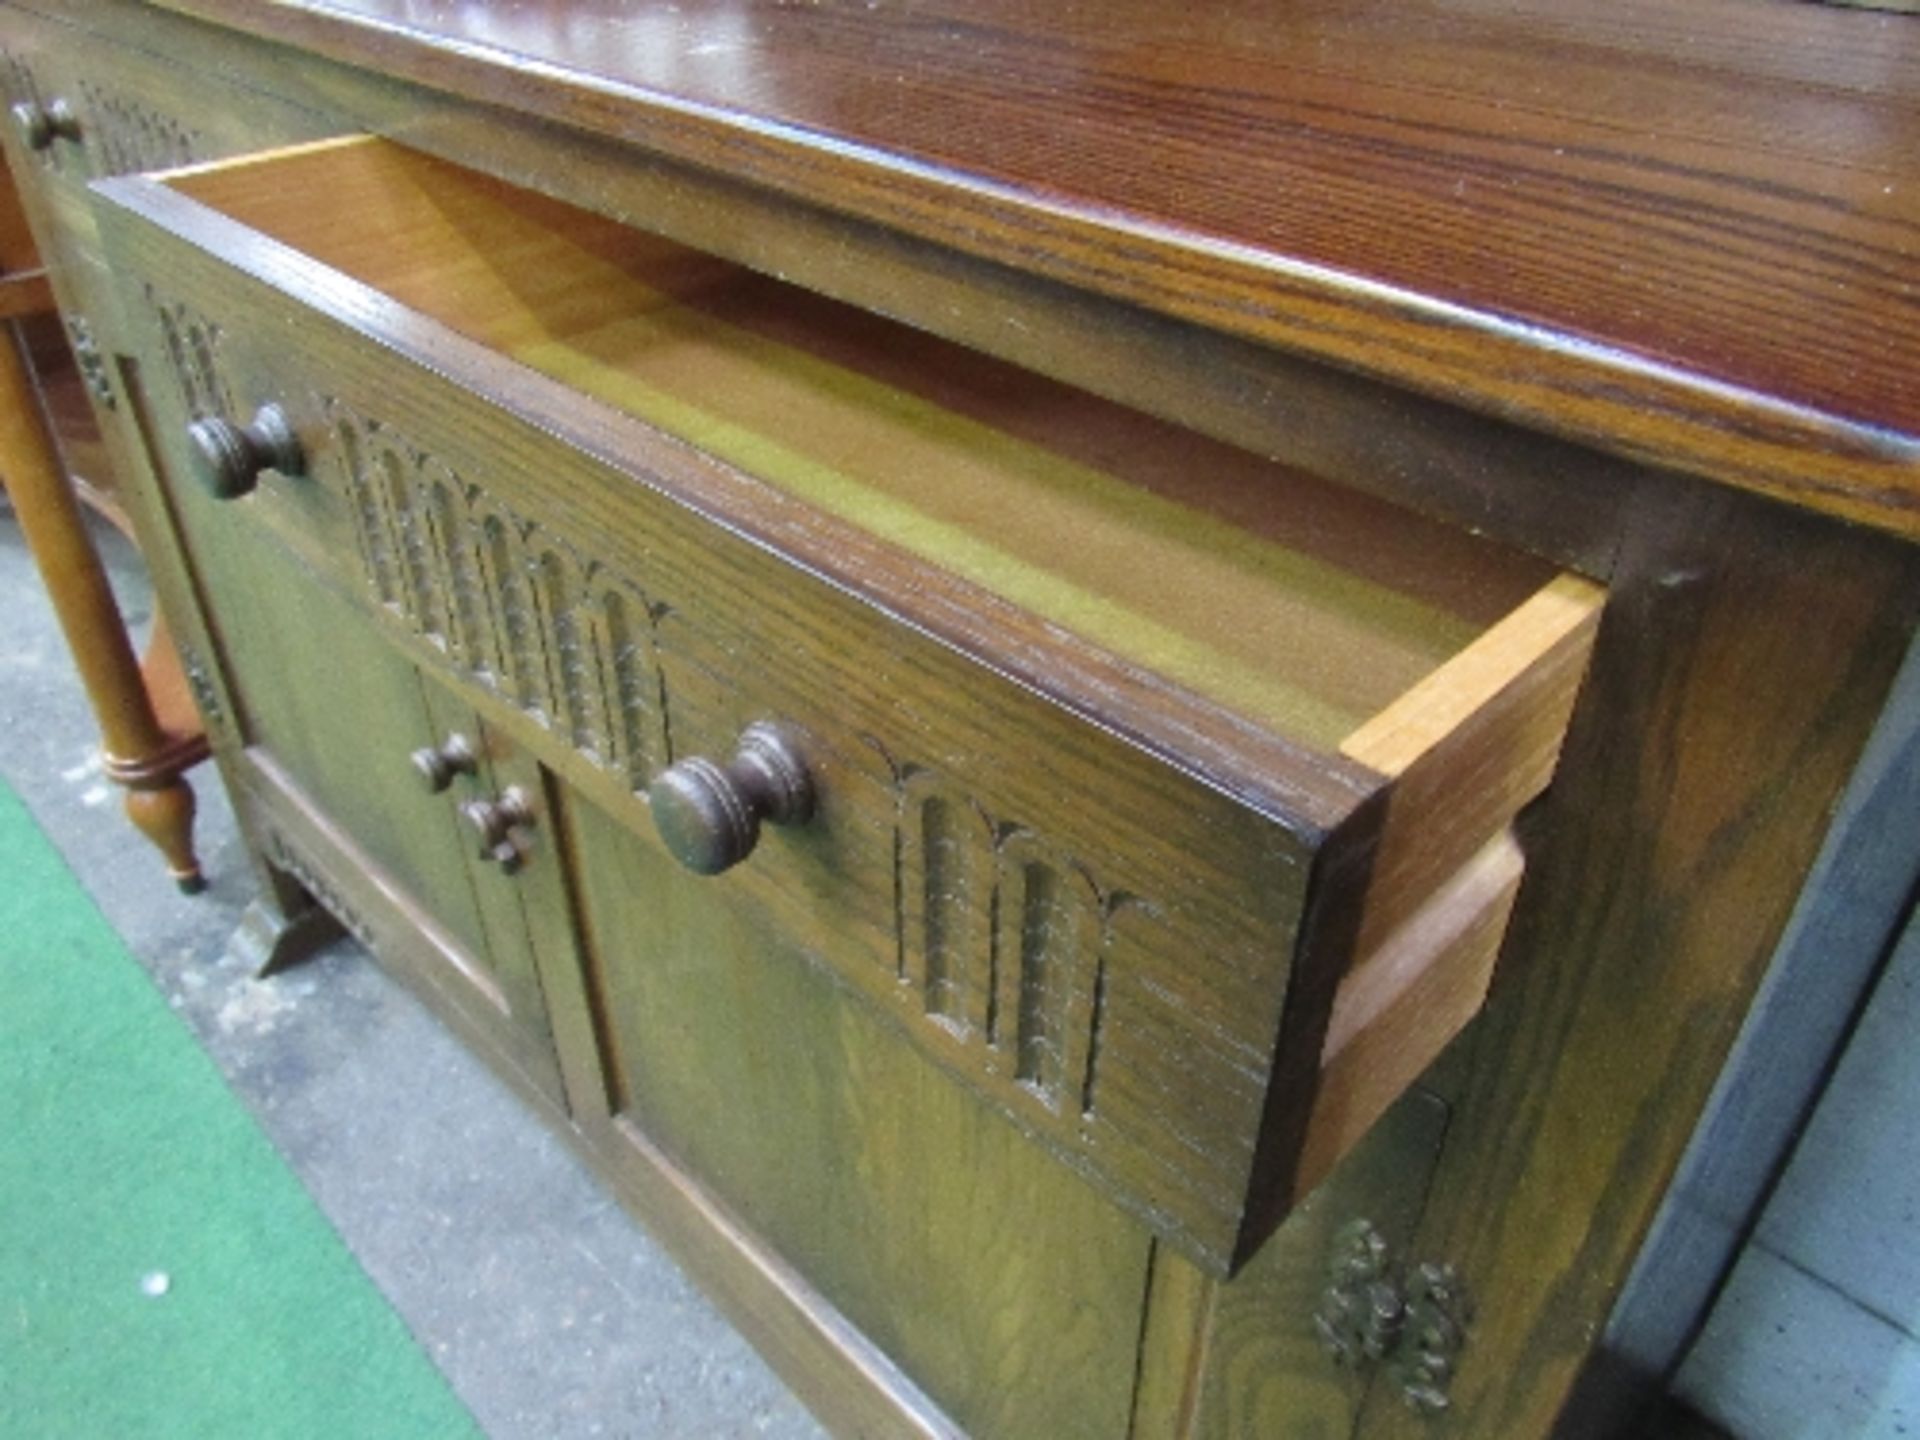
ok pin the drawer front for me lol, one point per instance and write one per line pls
(98, 107)
(1090, 937)
(122, 111)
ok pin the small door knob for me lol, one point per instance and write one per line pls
(709, 815)
(436, 765)
(494, 822)
(228, 458)
(40, 125)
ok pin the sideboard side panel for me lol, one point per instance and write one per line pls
(1743, 656)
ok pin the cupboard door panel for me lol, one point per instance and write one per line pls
(1265, 1371)
(334, 707)
(502, 895)
(330, 716)
(998, 1279)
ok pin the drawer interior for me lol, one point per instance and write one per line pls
(1305, 608)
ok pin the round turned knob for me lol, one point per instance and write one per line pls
(494, 821)
(436, 765)
(40, 125)
(228, 458)
(709, 815)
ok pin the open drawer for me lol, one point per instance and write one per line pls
(1161, 793)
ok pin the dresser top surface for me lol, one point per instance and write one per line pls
(1688, 234)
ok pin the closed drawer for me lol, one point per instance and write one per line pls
(1127, 748)
(83, 105)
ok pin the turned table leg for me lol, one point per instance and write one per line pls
(140, 752)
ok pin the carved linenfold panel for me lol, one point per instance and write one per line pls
(1048, 959)
(507, 602)
(509, 584)
(945, 903)
(124, 136)
(17, 81)
(578, 661)
(1003, 937)
(1092, 1014)
(193, 348)
(394, 482)
(369, 525)
(463, 601)
(502, 599)
(632, 691)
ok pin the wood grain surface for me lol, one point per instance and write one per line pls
(938, 810)
(1304, 606)
(1738, 667)
(1470, 745)
(1484, 474)
(1258, 1370)
(1401, 1005)
(727, 634)
(1688, 236)
(1683, 236)
(995, 1276)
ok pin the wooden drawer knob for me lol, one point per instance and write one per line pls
(436, 765)
(40, 125)
(494, 822)
(709, 815)
(228, 458)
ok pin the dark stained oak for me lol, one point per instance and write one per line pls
(999, 1279)
(1262, 1378)
(1738, 668)
(1284, 267)
(1690, 235)
(1103, 947)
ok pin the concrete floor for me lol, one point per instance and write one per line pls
(548, 1310)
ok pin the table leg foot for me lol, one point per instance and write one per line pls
(164, 814)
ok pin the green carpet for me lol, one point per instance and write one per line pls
(124, 1155)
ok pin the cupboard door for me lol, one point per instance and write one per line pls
(511, 877)
(1288, 1346)
(330, 718)
(322, 701)
(997, 1278)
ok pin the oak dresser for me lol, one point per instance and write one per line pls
(1117, 705)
